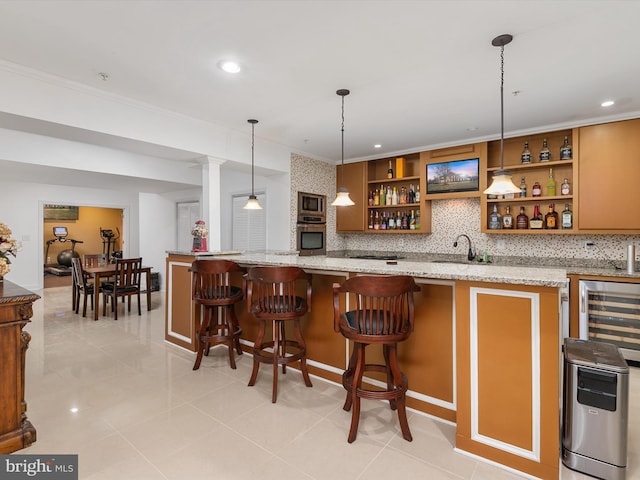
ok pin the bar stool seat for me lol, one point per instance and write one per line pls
(383, 315)
(212, 290)
(271, 297)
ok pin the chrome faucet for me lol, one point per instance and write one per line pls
(470, 254)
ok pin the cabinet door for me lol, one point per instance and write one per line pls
(352, 219)
(609, 168)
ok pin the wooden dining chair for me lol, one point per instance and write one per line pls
(126, 283)
(81, 286)
(95, 259)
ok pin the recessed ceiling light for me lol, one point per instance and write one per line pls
(472, 129)
(229, 66)
(608, 103)
(377, 145)
(74, 409)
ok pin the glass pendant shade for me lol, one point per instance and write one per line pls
(342, 199)
(252, 203)
(501, 184)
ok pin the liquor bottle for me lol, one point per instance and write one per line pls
(383, 195)
(418, 194)
(403, 195)
(371, 220)
(376, 197)
(536, 221)
(389, 195)
(565, 188)
(536, 191)
(522, 221)
(394, 196)
(412, 221)
(525, 156)
(507, 219)
(551, 184)
(412, 194)
(383, 222)
(390, 171)
(495, 219)
(545, 153)
(370, 198)
(567, 218)
(376, 222)
(566, 152)
(523, 188)
(405, 221)
(418, 224)
(392, 221)
(551, 219)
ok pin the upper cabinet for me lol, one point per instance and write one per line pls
(352, 219)
(547, 185)
(609, 170)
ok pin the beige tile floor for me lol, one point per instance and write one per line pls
(143, 414)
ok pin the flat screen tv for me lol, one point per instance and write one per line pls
(454, 176)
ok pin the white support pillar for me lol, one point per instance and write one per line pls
(211, 200)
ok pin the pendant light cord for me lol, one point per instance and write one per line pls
(502, 107)
(342, 143)
(253, 127)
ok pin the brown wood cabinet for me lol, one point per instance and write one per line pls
(16, 432)
(352, 219)
(609, 170)
(533, 172)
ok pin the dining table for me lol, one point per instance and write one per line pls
(105, 272)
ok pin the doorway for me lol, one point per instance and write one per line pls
(77, 231)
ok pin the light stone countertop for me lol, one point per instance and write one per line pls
(548, 277)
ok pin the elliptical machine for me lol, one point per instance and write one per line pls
(63, 267)
(109, 239)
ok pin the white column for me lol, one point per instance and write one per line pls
(211, 199)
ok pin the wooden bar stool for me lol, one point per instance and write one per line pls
(212, 290)
(383, 315)
(271, 297)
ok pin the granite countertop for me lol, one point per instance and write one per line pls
(511, 270)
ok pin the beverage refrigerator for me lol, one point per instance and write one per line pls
(610, 312)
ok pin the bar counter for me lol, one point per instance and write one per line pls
(485, 353)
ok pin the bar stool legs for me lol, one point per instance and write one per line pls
(276, 353)
(216, 330)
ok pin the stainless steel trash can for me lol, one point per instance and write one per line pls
(596, 405)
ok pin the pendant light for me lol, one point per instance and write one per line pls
(501, 183)
(342, 198)
(252, 203)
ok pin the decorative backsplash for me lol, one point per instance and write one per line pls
(450, 218)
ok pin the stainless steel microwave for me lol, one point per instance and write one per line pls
(312, 208)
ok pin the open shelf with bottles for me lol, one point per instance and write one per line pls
(533, 173)
(402, 177)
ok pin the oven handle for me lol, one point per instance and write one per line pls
(583, 298)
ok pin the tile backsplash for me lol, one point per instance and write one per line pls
(450, 218)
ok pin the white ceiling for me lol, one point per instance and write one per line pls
(421, 73)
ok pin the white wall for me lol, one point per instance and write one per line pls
(22, 212)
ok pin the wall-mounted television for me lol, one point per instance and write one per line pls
(454, 176)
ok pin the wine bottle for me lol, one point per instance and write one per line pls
(390, 171)
(495, 219)
(536, 221)
(525, 156)
(522, 221)
(551, 184)
(545, 153)
(567, 218)
(507, 219)
(566, 152)
(523, 188)
(412, 221)
(551, 219)
(371, 220)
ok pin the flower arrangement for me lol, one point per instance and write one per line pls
(200, 229)
(8, 246)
